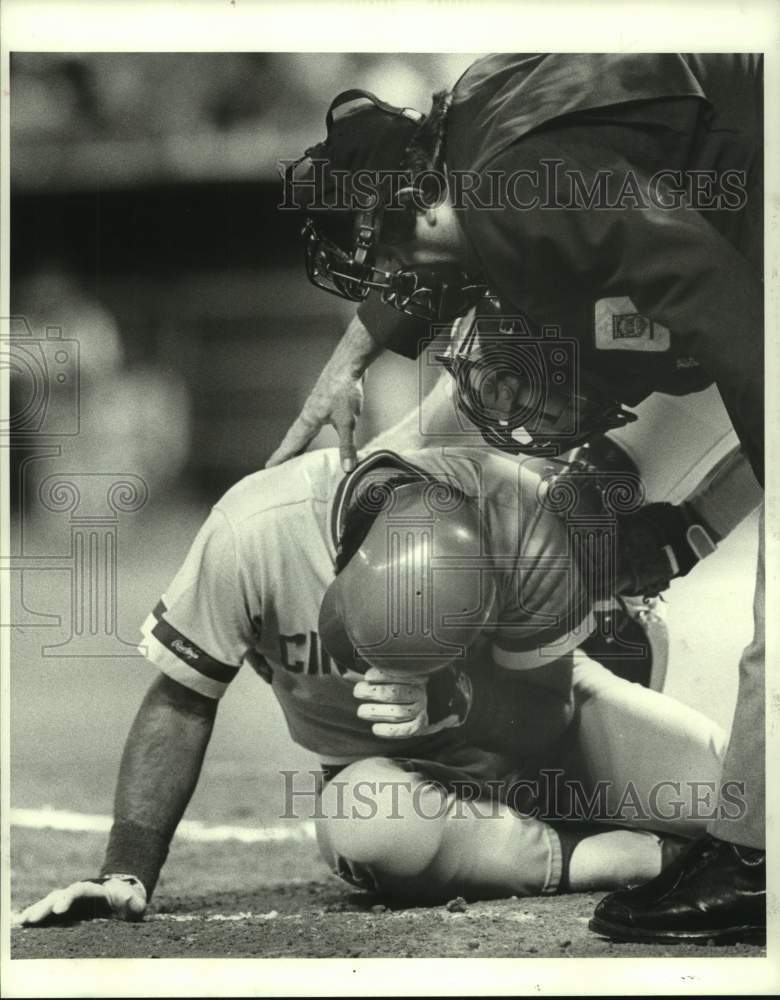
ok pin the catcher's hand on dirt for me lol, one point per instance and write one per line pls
(120, 896)
(400, 706)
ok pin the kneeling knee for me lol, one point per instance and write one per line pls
(381, 826)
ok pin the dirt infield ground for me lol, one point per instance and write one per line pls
(232, 900)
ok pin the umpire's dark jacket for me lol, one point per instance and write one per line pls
(660, 298)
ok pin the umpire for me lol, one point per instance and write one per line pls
(619, 198)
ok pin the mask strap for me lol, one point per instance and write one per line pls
(346, 96)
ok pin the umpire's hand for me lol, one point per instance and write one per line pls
(337, 399)
(119, 896)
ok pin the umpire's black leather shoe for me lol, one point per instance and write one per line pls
(714, 891)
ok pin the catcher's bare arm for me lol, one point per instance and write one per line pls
(160, 767)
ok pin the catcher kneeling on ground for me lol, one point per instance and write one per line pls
(421, 621)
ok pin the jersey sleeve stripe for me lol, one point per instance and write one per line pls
(173, 667)
(187, 651)
(509, 657)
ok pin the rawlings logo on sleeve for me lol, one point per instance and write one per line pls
(184, 649)
(620, 327)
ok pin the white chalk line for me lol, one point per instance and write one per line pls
(190, 918)
(405, 915)
(187, 918)
(47, 818)
(408, 916)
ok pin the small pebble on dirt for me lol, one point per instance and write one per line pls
(457, 905)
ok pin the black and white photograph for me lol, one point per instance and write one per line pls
(383, 468)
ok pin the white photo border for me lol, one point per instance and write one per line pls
(403, 25)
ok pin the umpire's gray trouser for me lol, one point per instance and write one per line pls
(745, 755)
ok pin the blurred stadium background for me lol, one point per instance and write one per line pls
(146, 186)
(144, 226)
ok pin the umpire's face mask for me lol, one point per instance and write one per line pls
(435, 292)
(372, 140)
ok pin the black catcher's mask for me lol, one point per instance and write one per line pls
(556, 406)
(370, 141)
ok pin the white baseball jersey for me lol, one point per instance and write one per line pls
(251, 586)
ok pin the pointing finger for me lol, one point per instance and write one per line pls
(294, 442)
(347, 450)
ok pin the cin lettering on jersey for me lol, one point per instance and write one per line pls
(303, 653)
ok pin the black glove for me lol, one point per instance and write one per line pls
(658, 543)
(450, 694)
